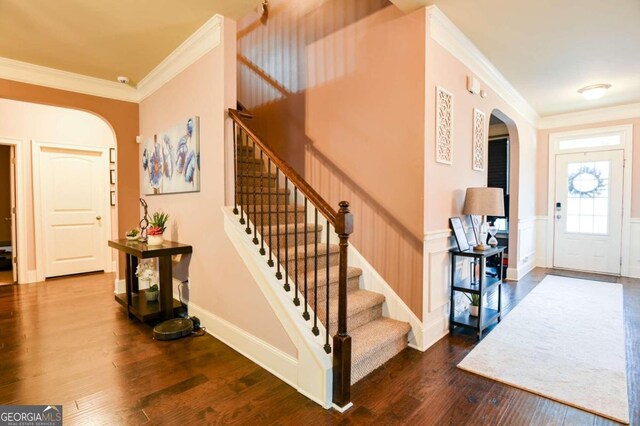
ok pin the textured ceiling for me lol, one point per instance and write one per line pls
(548, 49)
(104, 39)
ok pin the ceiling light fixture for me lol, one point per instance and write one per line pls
(122, 79)
(595, 91)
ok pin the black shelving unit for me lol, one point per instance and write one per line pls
(484, 285)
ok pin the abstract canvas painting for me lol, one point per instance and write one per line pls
(171, 160)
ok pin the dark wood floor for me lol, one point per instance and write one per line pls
(68, 342)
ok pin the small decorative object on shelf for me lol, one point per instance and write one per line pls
(493, 230)
(475, 301)
(145, 272)
(152, 293)
(157, 226)
(133, 234)
(144, 222)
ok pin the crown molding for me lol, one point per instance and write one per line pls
(206, 38)
(620, 112)
(57, 79)
(445, 33)
(199, 43)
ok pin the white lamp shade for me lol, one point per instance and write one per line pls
(484, 202)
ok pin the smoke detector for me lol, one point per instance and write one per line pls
(122, 79)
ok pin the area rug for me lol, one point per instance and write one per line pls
(564, 341)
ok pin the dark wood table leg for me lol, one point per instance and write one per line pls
(129, 272)
(452, 306)
(482, 283)
(166, 287)
(134, 277)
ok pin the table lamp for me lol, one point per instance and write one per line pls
(484, 202)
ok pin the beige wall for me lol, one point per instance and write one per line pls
(5, 193)
(337, 88)
(43, 123)
(219, 281)
(542, 176)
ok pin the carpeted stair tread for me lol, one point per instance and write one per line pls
(265, 190)
(370, 338)
(248, 159)
(252, 174)
(291, 229)
(273, 208)
(334, 274)
(299, 252)
(358, 301)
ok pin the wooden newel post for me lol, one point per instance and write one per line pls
(342, 340)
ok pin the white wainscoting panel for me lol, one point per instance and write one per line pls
(437, 288)
(541, 241)
(634, 249)
(526, 248)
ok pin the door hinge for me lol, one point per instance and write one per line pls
(13, 160)
(13, 210)
(15, 259)
(621, 261)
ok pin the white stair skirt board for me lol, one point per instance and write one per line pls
(393, 306)
(312, 375)
(564, 341)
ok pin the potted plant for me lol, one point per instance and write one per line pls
(133, 234)
(145, 272)
(157, 226)
(152, 293)
(475, 302)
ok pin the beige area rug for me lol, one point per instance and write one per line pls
(564, 341)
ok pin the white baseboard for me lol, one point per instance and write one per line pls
(120, 286)
(634, 248)
(31, 277)
(277, 362)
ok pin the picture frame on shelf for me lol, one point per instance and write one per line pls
(458, 233)
(476, 223)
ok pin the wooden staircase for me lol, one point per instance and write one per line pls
(293, 232)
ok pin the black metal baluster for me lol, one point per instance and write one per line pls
(315, 329)
(262, 252)
(236, 181)
(287, 287)
(296, 299)
(254, 219)
(239, 188)
(278, 234)
(305, 315)
(270, 261)
(327, 346)
(249, 166)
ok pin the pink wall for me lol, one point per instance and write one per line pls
(219, 281)
(542, 176)
(337, 88)
(446, 184)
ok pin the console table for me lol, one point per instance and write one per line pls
(486, 315)
(134, 299)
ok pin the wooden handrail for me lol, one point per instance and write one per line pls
(288, 171)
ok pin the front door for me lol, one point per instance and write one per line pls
(588, 211)
(73, 190)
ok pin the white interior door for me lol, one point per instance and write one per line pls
(588, 211)
(12, 190)
(73, 192)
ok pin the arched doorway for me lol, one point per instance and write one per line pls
(33, 125)
(503, 167)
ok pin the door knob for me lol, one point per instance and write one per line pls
(98, 217)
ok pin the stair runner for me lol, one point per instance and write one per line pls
(375, 339)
